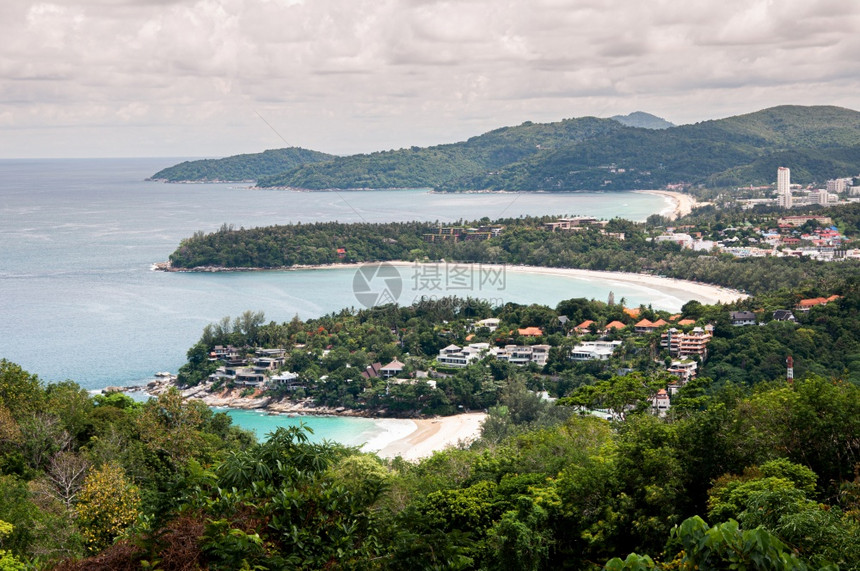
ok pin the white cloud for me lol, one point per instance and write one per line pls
(189, 77)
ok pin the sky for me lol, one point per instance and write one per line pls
(195, 78)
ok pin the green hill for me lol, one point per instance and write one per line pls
(587, 153)
(438, 166)
(644, 120)
(240, 167)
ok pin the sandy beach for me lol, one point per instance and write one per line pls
(683, 203)
(683, 289)
(430, 435)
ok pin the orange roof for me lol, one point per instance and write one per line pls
(644, 323)
(615, 325)
(584, 325)
(632, 311)
(659, 323)
(833, 297)
(470, 337)
(687, 322)
(530, 331)
(675, 317)
(811, 302)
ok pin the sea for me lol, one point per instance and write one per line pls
(79, 298)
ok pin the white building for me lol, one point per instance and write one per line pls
(491, 323)
(594, 350)
(456, 356)
(783, 187)
(524, 354)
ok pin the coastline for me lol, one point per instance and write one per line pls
(703, 292)
(683, 203)
(409, 438)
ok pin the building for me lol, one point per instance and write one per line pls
(530, 331)
(660, 403)
(684, 369)
(392, 369)
(594, 350)
(567, 224)
(838, 185)
(456, 356)
(807, 304)
(680, 344)
(783, 187)
(524, 354)
(491, 323)
(741, 318)
(783, 315)
(614, 325)
(289, 381)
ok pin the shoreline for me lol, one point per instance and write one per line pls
(409, 438)
(683, 203)
(702, 292)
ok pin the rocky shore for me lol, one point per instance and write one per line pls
(232, 398)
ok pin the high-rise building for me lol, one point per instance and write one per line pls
(783, 187)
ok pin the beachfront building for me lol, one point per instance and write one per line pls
(594, 350)
(287, 380)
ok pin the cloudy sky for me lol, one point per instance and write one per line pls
(170, 78)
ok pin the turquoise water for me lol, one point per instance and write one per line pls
(79, 301)
(351, 431)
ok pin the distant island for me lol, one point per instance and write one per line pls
(588, 153)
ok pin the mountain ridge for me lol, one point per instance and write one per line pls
(589, 153)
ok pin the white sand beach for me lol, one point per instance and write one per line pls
(683, 289)
(432, 434)
(682, 203)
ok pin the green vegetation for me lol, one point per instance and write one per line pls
(593, 154)
(581, 493)
(526, 241)
(750, 473)
(240, 167)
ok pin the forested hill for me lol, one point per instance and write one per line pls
(240, 167)
(644, 120)
(587, 153)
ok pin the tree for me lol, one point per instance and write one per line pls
(724, 546)
(619, 395)
(107, 505)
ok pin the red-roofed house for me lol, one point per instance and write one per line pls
(632, 312)
(645, 326)
(807, 304)
(659, 323)
(660, 402)
(530, 331)
(584, 326)
(614, 325)
(687, 322)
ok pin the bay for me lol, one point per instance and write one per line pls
(78, 298)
